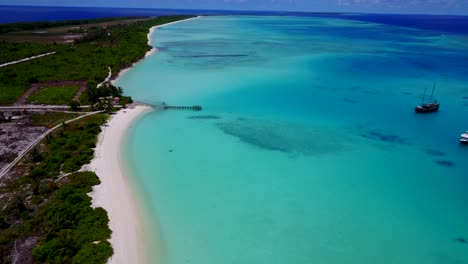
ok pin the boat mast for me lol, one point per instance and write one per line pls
(433, 88)
(424, 96)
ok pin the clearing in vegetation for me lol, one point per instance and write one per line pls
(60, 95)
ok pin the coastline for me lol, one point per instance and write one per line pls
(115, 194)
(153, 29)
(153, 49)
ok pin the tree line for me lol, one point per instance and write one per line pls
(20, 26)
(88, 61)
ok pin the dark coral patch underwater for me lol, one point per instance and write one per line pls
(434, 152)
(351, 101)
(384, 136)
(445, 163)
(284, 137)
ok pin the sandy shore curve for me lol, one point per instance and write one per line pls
(153, 49)
(115, 194)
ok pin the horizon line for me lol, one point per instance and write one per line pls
(243, 10)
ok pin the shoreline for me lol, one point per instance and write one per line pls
(115, 193)
(153, 49)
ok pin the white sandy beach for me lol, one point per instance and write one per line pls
(114, 194)
(153, 29)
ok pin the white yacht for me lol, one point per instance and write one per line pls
(464, 138)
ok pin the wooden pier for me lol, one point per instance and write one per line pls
(164, 106)
(172, 107)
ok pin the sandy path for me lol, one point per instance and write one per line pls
(7, 168)
(26, 59)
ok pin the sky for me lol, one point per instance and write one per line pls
(455, 7)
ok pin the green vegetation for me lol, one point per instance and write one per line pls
(50, 120)
(9, 96)
(94, 253)
(71, 148)
(74, 105)
(124, 45)
(72, 225)
(58, 214)
(13, 27)
(12, 51)
(61, 95)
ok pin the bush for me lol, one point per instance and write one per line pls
(36, 156)
(125, 100)
(3, 223)
(84, 179)
(25, 215)
(74, 105)
(73, 226)
(54, 251)
(94, 254)
(44, 189)
(37, 173)
(69, 149)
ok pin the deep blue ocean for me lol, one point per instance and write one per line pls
(10, 14)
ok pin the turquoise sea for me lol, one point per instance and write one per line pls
(308, 149)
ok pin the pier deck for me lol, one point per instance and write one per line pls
(173, 107)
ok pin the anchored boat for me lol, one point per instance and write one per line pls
(464, 138)
(430, 106)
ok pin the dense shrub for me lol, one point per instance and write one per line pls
(70, 148)
(3, 223)
(35, 155)
(74, 105)
(94, 253)
(73, 226)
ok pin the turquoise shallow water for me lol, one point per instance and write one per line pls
(308, 149)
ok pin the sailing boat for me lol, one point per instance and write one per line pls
(430, 106)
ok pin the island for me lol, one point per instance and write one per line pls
(56, 96)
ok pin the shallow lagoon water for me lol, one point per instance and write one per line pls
(308, 149)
